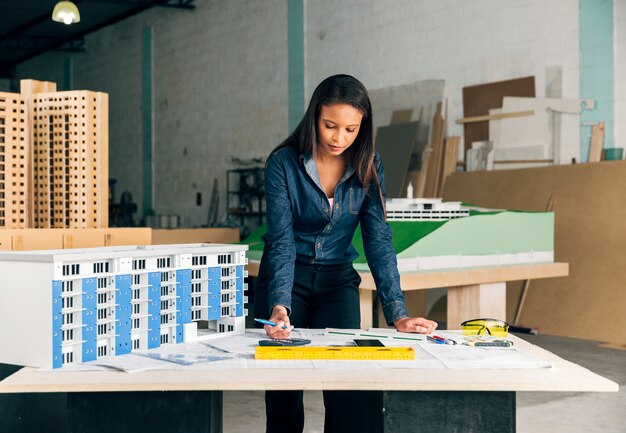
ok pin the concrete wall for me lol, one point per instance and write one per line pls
(220, 73)
(389, 43)
(220, 89)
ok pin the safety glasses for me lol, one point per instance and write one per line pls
(493, 327)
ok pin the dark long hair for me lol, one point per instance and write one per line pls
(340, 89)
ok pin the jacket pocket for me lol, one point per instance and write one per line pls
(355, 200)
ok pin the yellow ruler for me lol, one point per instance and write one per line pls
(335, 353)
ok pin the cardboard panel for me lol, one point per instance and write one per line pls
(50, 239)
(590, 234)
(394, 104)
(395, 143)
(190, 236)
(479, 99)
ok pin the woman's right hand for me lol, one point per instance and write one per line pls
(281, 318)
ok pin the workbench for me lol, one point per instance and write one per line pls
(416, 400)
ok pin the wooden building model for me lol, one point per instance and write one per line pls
(53, 157)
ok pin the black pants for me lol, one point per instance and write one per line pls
(323, 296)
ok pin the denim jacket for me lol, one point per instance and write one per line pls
(300, 225)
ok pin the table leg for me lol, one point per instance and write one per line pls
(449, 411)
(31, 412)
(366, 301)
(474, 302)
(153, 411)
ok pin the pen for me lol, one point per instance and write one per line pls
(435, 340)
(268, 322)
(444, 340)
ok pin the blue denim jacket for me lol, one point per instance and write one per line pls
(299, 223)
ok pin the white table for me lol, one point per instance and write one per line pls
(455, 400)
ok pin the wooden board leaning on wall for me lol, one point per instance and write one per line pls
(590, 232)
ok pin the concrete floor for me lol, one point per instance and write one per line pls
(537, 412)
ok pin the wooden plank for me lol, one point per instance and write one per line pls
(366, 307)
(420, 190)
(479, 99)
(470, 276)
(475, 302)
(401, 116)
(524, 161)
(16, 243)
(67, 241)
(590, 232)
(53, 239)
(190, 236)
(597, 140)
(451, 150)
(487, 117)
(526, 283)
(432, 171)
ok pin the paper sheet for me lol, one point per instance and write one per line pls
(237, 352)
(461, 357)
(186, 354)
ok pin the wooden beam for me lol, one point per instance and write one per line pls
(597, 138)
(488, 117)
(523, 161)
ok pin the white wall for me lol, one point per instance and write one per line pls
(220, 73)
(393, 42)
(619, 50)
(220, 88)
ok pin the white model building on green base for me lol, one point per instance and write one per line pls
(60, 307)
(423, 209)
(484, 238)
(491, 238)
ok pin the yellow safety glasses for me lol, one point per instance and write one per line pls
(493, 327)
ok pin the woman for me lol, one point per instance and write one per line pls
(321, 182)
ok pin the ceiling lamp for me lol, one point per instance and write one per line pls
(65, 12)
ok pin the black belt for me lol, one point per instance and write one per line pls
(323, 267)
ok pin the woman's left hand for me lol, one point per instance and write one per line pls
(415, 324)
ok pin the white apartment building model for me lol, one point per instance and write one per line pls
(423, 209)
(60, 307)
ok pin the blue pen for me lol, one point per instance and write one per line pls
(268, 322)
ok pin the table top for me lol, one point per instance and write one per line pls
(563, 376)
(437, 278)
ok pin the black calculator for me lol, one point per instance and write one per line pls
(285, 342)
